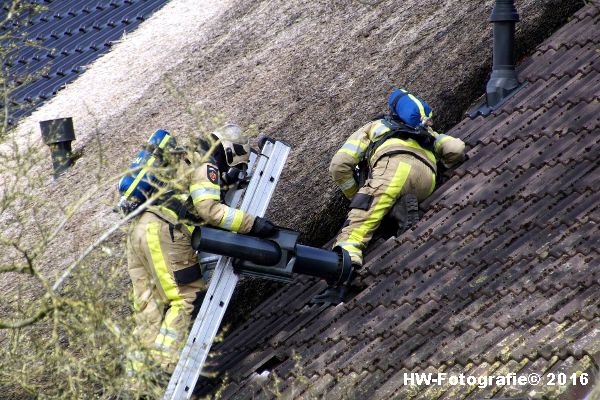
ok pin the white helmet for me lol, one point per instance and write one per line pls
(235, 144)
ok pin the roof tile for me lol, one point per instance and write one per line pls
(501, 273)
(69, 36)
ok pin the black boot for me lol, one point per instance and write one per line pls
(335, 294)
(406, 212)
(332, 295)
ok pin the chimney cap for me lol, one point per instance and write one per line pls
(57, 130)
(504, 11)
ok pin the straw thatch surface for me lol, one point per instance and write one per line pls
(306, 72)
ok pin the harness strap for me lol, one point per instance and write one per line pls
(181, 216)
(172, 226)
(398, 130)
(395, 103)
(415, 156)
(181, 209)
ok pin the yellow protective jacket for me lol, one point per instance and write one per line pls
(197, 182)
(447, 149)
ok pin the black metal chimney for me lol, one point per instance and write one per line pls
(503, 81)
(58, 135)
(504, 77)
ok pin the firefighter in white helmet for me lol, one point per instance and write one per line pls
(167, 281)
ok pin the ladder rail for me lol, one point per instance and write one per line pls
(256, 199)
(277, 160)
(182, 370)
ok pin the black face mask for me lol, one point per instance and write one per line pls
(217, 156)
(222, 158)
(234, 175)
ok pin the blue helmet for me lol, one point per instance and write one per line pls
(408, 108)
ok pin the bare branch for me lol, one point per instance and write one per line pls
(26, 322)
(370, 2)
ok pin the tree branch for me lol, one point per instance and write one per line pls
(28, 321)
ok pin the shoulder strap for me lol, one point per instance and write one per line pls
(396, 125)
(420, 134)
(379, 116)
(182, 209)
(400, 130)
(373, 146)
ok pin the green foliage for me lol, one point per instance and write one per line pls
(66, 325)
(53, 344)
(68, 336)
(67, 340)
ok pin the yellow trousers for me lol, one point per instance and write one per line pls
(167, 287)
(391, 177)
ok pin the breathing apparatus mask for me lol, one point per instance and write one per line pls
(232, 153)
(235, 174)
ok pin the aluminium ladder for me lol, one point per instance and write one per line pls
(257, 196)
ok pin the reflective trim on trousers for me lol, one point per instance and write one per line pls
(168, 333)
(135, 363)
(433, 182)
(167, 282)
(384, 203)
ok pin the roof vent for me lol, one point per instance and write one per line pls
(503, 82)
(58, 135)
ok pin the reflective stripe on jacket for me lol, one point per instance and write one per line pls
(447, 149)
(200, 181)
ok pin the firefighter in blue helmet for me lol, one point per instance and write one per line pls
(400, 153)
(167, 282)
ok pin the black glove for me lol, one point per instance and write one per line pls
(262, 227)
